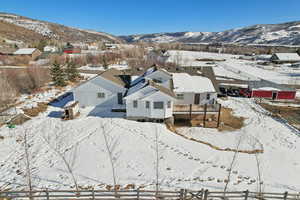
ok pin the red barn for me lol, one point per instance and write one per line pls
(70, 49)
(270, 90)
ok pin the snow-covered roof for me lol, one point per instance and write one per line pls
(268, 85)
(267, 89)
(149, 71)
(25, 51)
(288, 56)
(140, 91)
(184, 82)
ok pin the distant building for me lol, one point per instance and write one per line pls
(285, 58)
(51, 49)
(111, 46)
(70, 49)
(33, 53)
(270, 90)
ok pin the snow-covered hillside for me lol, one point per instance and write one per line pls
(182, 163)
(277, 34)
(55, 31)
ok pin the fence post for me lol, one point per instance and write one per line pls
(47, 194)
(138, 194)
(205, 194)
(202, 193)
(246, 194)
(285, 195)
(93, 193)
(219, 115)
(181, 194)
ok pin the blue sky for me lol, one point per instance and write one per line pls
(123, 17)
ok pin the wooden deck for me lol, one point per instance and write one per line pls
(196, 109)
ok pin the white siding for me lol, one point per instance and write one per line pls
(87, 93)
(189, 98)
(143, 112)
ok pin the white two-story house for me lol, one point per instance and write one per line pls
(149, 101)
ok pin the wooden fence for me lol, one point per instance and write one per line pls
(143, 195)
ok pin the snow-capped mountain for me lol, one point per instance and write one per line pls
(277, 34)
(21, 28)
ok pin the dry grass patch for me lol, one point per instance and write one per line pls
(33, 112)
(229, 122)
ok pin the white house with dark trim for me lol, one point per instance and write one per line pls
(148, 100)
(106, 89)
(196, 90)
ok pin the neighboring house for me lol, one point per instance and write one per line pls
(149, 101)
(285, 58)
(270, 90)
(196, 90)
(51, 49)
(156, 74)
(33, 53)
(111, 46)
(106, 89)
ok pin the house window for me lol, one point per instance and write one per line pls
(147, 104)
(135, 104)
(158, 105)
(180, 96)
(169, 104)
(101, 95)
(157, 80)
(208, 97)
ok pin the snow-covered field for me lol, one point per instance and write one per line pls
(115, 66)
(182, 163)
(233, 67)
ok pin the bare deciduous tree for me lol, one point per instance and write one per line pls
(57, 140)
(233, 162)
(111, 146)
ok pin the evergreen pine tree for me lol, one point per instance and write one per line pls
(71, 71)
(57, 74)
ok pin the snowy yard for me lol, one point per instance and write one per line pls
(233, 67)
(182, 163)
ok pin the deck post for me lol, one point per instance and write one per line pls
(219, 115)
(190, 111)
(204, 117)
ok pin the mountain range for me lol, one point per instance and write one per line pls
(16, 28)
(273, 34)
